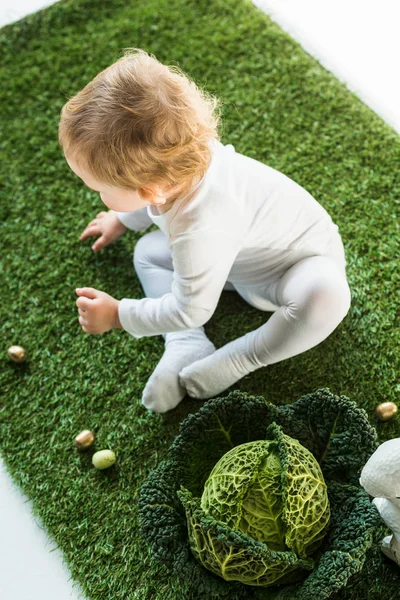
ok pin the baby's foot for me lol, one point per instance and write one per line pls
(163, 391)
(209, 376)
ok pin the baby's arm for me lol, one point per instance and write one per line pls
(137, 220)
(201, 261)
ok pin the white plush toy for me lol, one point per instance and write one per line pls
(380, 478)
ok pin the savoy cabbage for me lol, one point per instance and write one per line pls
(338, 435)
(272, 490)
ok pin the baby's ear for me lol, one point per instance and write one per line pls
(144, 194)
(153, 194)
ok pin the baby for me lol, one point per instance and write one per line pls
(145, 137)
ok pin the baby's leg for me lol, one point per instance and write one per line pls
(312, 298)
(153, 265)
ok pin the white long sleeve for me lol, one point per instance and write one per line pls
(201, 261)
(137, 220)
(241, 223)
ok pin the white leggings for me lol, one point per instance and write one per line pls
(309, 299)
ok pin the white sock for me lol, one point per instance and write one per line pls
(163, 390)
(213, 374)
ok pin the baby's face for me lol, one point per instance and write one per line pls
(115, 198)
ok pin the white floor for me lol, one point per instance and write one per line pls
(359, 41)
(13, 10)
(31, 564)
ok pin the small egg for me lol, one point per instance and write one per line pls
(17, 354)
(103, 459)
(386, 411)
(84, 439)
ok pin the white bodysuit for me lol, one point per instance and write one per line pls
(247, 224)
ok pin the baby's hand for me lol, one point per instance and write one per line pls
(108, 226)
(98, 310)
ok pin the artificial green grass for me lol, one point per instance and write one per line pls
(280, 107)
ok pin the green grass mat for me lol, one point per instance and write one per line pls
(280, 107)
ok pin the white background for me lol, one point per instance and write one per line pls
(359, 41)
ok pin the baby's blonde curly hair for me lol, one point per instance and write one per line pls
(141, 123)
